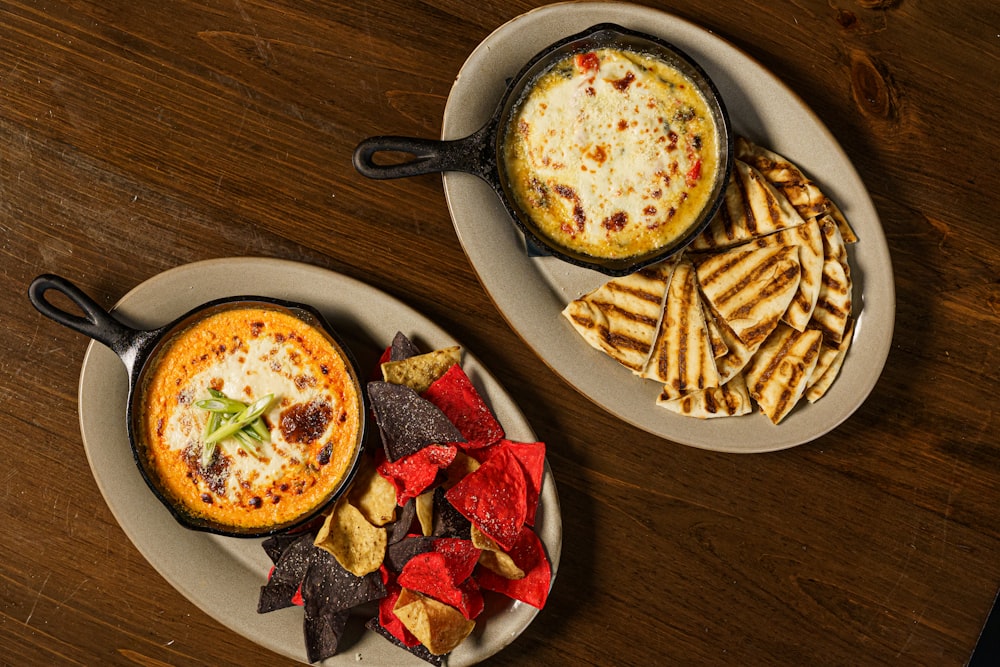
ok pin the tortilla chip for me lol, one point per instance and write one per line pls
(494, 497)
(412, 475)
(494, 558)
(416, 648)
(397, 555)
(407, 422)
(401, 348)
(425, 511)
(329, 592)
(439, 627)
(287, 575)
(420, 371)
(454, 394)
(357, 545)
(448, 521)
(529, 555)
(373, 494)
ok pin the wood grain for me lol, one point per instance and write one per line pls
(137, 137)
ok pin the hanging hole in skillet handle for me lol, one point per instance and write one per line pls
(96, 322)
(472, 155)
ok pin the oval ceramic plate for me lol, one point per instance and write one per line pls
(531, 292)
(223, 575)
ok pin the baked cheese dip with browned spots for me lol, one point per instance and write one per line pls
(278, 466)
(612, 153)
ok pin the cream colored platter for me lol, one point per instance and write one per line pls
(223, 575)
(531, 291)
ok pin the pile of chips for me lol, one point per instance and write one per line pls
(442, 512)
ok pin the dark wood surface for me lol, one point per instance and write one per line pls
(137, 137)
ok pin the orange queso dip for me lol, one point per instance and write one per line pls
(612, 153)
(314, 419)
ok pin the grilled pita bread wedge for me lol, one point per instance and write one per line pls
(682, 357)
(750, 288)
(809, 240)
(778, 374)
(729, 400)
(752, 207)
(830, 361)
(804, 194)
(715, 335)
(833, 305)
(737, 354)
(622, 317)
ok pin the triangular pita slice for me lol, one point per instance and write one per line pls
(682, 357)
(751, 288)
(738, 353)
(778, 374)
(752, 207)
(809, 240)
(833, 305)
(622, 317)
(730, 400)
(823, 378)
(716, 338)
(804, 194)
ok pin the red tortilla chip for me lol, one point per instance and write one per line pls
(494, 497)
(436, 575)
(454, 394)
(413, 474)
(387, 617)
(529, 555)
(531, 455)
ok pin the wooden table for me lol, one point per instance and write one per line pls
(138, 137)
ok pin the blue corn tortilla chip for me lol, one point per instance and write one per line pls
(276, 545)
(419, 650)
(402, 348)
(407, 422)
(329, 592)
(323, 630)
(330, 586)
(401, 528)
(398, 554)
(448, 521)
(289, 571)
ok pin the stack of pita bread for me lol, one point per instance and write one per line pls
(757, 310)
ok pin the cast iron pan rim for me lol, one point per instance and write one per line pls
(511, 100)
(301, 311)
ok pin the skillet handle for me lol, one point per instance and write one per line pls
(469, 154)
(97, 323)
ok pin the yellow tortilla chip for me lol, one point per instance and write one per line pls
(439, 627)
(419, 372)
(357, 545)
(493, 557)
(425, 511)
(373, 494)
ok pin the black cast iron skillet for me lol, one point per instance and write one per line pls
(481, 153)
(137, 348)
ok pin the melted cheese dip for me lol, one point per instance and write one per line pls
(314, 420)
(612, 153)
